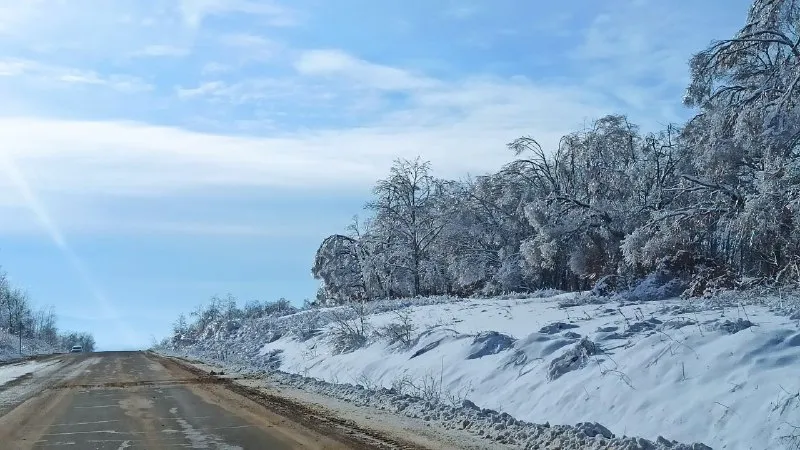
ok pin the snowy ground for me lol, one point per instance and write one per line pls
(12, 372)
(22, 380)
(9, 347)
(722, 373)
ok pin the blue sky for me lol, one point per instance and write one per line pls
(155, 153)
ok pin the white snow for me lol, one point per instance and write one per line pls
(11, 372)
(685, 370)
(9, 347)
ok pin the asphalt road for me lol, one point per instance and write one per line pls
(136, 400)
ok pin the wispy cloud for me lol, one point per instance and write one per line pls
(213, 68)
(92, 223)
(209, 229)
(248, 41)
(66, 75)
(460, 127)
(14, 67)
(638, 50)
(161, 50)
(209, 88)
(195, 11)
(89, 28)
(338, 63)
(258, 91)
(462, 10)
(244, 48)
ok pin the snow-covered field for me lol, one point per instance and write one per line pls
(724, 373)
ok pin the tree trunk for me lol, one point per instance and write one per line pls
(416, 270)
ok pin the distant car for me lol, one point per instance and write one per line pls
(76, 349)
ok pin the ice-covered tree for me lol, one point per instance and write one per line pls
(482, 238)
(338, 266)
(592, 197)
(408, 206)
(745, 174)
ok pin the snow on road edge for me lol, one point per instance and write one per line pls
(12, 372)
(486, 424)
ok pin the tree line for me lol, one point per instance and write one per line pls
(219, 311)
(19, 319)
(713, 202)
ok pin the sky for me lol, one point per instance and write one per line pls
(156, 153)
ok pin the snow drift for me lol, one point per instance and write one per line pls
(722, 372)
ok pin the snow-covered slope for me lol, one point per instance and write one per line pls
(722, 373)
(9, 347)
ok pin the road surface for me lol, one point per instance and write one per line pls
(137, 400)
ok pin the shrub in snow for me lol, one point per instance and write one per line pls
(400, 331)
(659, 285)
(573, 359)
(710, 280)
(641, 327)
(606, 286)
(271, 360)
(734, 327)
(490, 343)
(593, 429)
(351, 328)
(703, 276)
(556, 327)
(426, 349)
(436, 337)
(347, 339)
(306, 324)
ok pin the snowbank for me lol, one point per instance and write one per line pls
(13, 372)
(721, 373)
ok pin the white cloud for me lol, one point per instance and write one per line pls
(52, 74)
(14, 67)
(638, 50)
(15, 14)
(131, 158)
(626, 50)
(208, 229)
(90, 222)
(460, 127)
(103, 29)
(244, 40)
(194, 11)
(93, 158)
(94, 28)
(462, 10)
(342, 64)
(209, 88)
(161, 50)
(215, 68)
(257, 91)
(243, 48)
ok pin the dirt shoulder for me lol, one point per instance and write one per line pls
(371, 427)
